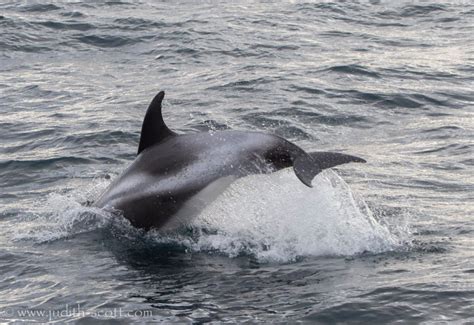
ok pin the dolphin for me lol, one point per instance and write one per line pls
(174, 176)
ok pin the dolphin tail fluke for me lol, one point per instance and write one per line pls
(306, 168)
(331, 159)
(308, 165)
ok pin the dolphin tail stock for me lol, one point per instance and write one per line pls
(308, 165)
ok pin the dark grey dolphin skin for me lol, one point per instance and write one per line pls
(177, 175)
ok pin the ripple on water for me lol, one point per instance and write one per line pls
(37, 7)
(354, 69)
(107, 41)
(67, 26)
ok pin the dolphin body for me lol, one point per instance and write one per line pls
(174, 176)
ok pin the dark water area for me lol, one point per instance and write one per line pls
(387, 241)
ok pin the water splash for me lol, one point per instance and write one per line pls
(275, 218)
(64, 215)
(271, 217)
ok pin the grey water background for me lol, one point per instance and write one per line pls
(387, 241)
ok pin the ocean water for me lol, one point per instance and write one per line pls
(383, 242)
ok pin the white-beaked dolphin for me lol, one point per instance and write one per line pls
(176, 175)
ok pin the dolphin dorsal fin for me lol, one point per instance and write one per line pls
(154, 128)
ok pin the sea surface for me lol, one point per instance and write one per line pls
(388, 241)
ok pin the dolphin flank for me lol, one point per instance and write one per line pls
(174, 176)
